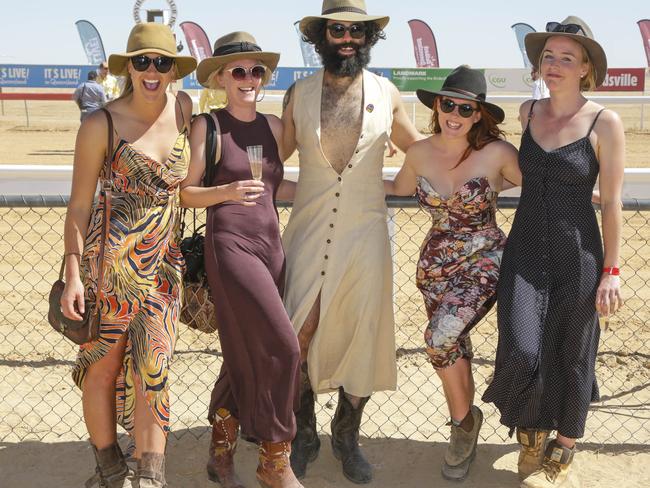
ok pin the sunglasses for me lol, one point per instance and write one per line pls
(239, 73)
(567, 28)
(337, 31)
(162, 63)
(465, 110)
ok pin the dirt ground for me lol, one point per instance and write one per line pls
(404, 433)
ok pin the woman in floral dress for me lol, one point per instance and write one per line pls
(457, 174)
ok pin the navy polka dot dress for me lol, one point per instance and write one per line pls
(548, 327)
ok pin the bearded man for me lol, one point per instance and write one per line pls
(339, 271)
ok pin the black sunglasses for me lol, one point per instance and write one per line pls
(162, 63)
(465, 110)
(239, 73)
(337, 31)
(567, 28)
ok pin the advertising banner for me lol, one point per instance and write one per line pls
(91, 41)
(644, 27)
(310, 57)
(424, 44)
(412, 79)
(197, 40)
(521, 30)
(509, 80)
(624, 80)
(43, 76)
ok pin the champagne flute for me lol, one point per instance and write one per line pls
(255, 160)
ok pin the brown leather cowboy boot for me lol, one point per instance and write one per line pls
(306, 445)
(554, 471)
(531, 455)
(151, 470)
(274, 469)
(111, 471)
(221, 466)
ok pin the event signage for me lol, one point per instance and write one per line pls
(43, 76)
(424, 44)
(411, 79)
(522, 29)
(508, 80)
(624, 79)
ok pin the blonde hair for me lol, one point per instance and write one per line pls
(588, 82)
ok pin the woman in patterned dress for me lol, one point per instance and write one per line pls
(555, 277)
(257, 388)
(457, 174)
(124, 373)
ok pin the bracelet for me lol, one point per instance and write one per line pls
(71, 254)
(612, 270)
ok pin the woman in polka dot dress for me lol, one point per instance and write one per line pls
(555, 278)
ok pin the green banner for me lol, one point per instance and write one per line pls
(410, 79)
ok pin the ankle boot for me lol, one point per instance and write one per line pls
(531, 455)
(274, 469)
(221, 466)
(151, 470)
(554, 471)
(111, 470)
(345, 440)
(462, 448)
(306, 444)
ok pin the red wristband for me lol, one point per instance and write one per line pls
(612, 270)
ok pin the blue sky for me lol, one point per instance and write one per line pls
(474, 32)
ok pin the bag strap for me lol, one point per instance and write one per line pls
(212, 147)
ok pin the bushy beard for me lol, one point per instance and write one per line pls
(343, 66)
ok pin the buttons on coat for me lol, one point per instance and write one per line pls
(349, 165)
(329, 241)
(331, 226)
(337, 194)
(322, 273)
(339, 178)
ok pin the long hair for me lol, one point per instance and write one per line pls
(482, 133)
(315, 33)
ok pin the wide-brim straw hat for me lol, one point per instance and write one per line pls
(344, 11)
(151, 37)
(232, 47)
(467, 84)
(535, 42)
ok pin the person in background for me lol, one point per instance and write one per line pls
(108, 81)
(89, 96)
(556, 275)
(539, 87)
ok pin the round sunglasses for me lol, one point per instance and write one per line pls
(337, 31)
(465, 110)
(239, 73)
(162, 63)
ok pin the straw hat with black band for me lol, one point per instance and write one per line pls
(344, 11)
(576, 29)
(232, 47)
(150, 37)
(467, 84)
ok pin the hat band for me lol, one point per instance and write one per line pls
(157, 48)
(480, 96)
(336, 10)
(240, 47)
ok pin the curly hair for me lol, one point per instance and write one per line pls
(480, 135)
(315, 33)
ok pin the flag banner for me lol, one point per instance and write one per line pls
(197, 40)
(521, 30)
(91, 42)
(644, 26)
(424, 44)
(310, 57)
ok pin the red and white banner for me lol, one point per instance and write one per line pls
(197, 40)
(644, 26)
(624, 80)
(424, 44)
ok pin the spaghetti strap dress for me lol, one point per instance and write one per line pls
(544, 375)
(143, 268)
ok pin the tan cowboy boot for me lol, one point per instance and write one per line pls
(111, 471)
(221, 466)
(274, 469)
(462, 448)
(554, 471)
(531, 455)
(151, 470)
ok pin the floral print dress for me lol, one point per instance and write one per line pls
(458, 268)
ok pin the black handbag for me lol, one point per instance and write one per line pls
(197, 309)
(87, 329)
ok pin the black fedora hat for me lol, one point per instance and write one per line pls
(467, 84)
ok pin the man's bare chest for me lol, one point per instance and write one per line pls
(341, 120)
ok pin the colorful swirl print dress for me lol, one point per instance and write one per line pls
(142, 277)
(458, 268)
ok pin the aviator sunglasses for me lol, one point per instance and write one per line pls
(567, 28)
(465, 110)
(239, 73)
(337, 31)
(162, 63)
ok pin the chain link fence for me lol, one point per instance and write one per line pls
(38, 400)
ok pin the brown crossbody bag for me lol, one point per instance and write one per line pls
(87, 329)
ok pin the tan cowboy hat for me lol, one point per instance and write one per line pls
(231, 47)
(345, 11)
(576, 29)
(151, 37)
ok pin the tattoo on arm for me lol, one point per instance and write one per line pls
(287, 97)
